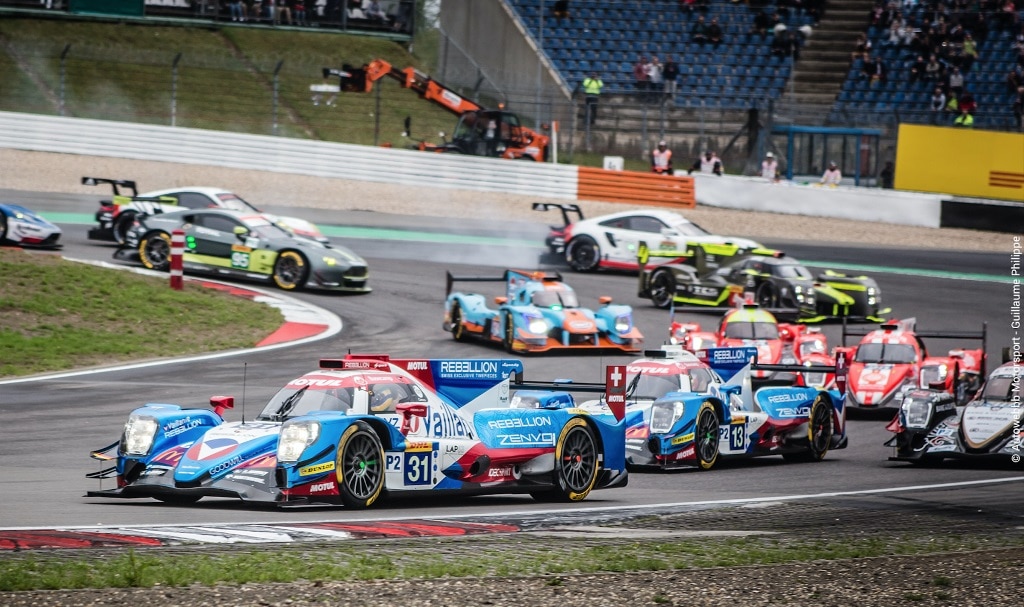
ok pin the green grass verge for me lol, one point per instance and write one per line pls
(433, 559)
(57, 315)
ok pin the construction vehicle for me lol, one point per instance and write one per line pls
(479, 131)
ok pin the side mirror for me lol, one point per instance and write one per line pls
(501, 300)
(221, 404)
(408, 411)
(241, 232)
(604, 300)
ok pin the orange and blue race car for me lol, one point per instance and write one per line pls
(364, 426)
(537, 312)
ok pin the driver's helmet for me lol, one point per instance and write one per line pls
(383, 397)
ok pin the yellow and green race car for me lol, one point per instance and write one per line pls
(239, 244)
(723, 277)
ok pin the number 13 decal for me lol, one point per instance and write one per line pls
(737, 436)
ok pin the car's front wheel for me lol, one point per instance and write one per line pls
(706, 436)
(360, 466)
(290, 270)
(663, 288)
(3, 227)
(155, 251)
(458, 329)
(766, 296)
(583, 254)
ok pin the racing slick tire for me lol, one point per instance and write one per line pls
(819, 433)
(583, 254)
(290, 270)
(155, 251)
(360, 467)
(576, 464)
(508, 339)
(705, 437)
(663, 288)
(766, 297)
(458, 329)
(121, 226)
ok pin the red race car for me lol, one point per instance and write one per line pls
(776, 343)
(892, 360)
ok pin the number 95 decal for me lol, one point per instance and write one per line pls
(239, 260)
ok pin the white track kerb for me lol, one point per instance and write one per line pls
(292, 309)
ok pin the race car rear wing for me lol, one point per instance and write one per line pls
(115, 184)
(909, 325)
(614, 388)
(538, 275)
(706, 257)
(733, 363)
(565, 208)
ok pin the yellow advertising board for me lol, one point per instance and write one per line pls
(964, 162)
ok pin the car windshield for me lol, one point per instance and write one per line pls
(892, 354)
(751, 330)
(296, 401)
(688, 228)
(791, 270)
(998, 389)
(550, 298)
(262, 228)
(235, 202)
(652, 387)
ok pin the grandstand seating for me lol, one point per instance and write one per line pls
(610, 35)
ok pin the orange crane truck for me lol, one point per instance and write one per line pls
(479, 131)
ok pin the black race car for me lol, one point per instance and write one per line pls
(243, 245)
(773, 279)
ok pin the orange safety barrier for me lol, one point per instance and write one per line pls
(635, 187)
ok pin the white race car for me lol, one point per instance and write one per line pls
(117, 215)
(611, 241)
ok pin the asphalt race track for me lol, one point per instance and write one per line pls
(50, 426)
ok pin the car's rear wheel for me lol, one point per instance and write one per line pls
(705, 441)
(766, 296)
(583, 254)
(576, 464)
(360, 466)
(819, 433)
(155, 251)
(663, 288)
(122, 224)
(290, 270)
(458, 329)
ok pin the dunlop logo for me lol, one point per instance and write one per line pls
(1004, 179)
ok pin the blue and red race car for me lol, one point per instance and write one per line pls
(23, 227)
(538, 312)
(361, 427)
(689, 429)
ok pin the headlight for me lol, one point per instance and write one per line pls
(798, 291)
(537, 326)
(873, 296)
(622, 324)
(330, 260)
(295, 437)
(933, 375)
(665, 415)
(916, 413)
(139, 432)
